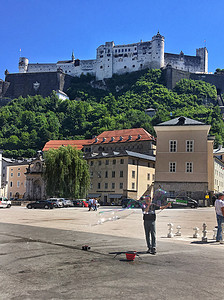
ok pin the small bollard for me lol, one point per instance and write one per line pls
(196, 234)
(204, 231)
(170, 230)
(178, 233)
(222, 240)
(214, 233)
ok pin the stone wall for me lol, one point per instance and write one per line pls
(35, 83)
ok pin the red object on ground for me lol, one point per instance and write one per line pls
(131, 255)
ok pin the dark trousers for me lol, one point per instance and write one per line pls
(150, 230)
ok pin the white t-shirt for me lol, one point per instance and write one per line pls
(218, 205)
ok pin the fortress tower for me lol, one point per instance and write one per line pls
(203, 54)
(157, 51)
(23, 64)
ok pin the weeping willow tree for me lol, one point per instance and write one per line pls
(66, 173)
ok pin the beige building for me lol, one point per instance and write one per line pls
(16, 181)
(118, 175)
(122, 163)
(184, 158)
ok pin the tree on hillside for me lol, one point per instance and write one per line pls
(66, 173)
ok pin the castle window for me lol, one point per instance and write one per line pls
(125, 50)
(108, 59)
(125, 67)
(108, 54)
(101, 67)
(141, 65)
(109, 51)
(119, 50)
(116, 51)
(135, 48)
(133, 66)
(129, 50)
(101, 56)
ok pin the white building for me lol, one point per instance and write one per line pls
(119, 59)
(218, 169)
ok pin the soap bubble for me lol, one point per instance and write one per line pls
(160, 197)
(111, 215)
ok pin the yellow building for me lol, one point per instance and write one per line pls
(184, 158)
(16, 180)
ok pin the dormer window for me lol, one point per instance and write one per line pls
(96, 140)
(104, 139)
(121, 138)
(130, 137)
(139, 136)
(112, 139)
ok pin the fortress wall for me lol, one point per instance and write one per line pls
(217, 80)
(34, 68)
(23, 84)
(184, 62)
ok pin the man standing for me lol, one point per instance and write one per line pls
(149, 217)
(219, 209)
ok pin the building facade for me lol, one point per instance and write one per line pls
(184, 158)
(16, 181)
(219, 169)
(118, 175)
(119, 59)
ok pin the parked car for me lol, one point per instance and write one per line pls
(41, 204)
(78, 203)
(4, 202)
(57, 202)
(67, 202)
(85, 203)
(182, 201)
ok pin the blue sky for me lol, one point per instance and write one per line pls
(48, 30)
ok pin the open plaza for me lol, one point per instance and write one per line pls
(42, 257)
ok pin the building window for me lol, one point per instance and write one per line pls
(121, 185)
(99, 174)
(113, 185)
(106, 174)
(18, 183)
(153, 177)
(148, 186)
(148, 176)
(133, 185)
(106, 185)
(149, 165)
(121, 174)
(114, 161)
(189, 146)
(113, 174)
(10, 194)
(172, 167)
(91, 186)
(107, 162)
(99, 162)
(173, 146)
(10, 183)
(18, 174)
(98, 186)
(189, 167)
(133, 161)
(91, 163)
(121, 161)
(133, 174)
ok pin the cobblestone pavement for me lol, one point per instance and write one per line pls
(41, 256)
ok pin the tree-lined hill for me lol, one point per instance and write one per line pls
(26, 124)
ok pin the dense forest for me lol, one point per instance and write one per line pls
(120, 102)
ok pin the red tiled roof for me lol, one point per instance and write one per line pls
(55, 144)
(128, 135)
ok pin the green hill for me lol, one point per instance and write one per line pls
(120, 102)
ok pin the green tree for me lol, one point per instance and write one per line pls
(66, 173)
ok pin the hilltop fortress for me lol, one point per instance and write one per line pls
(119, 59)
(41, 79)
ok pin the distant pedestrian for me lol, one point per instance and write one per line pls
(219, 209)
(95, 204)
(90, 204)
